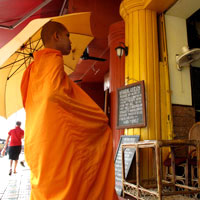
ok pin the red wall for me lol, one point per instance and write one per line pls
(95, 91)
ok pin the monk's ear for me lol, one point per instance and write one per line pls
(56, 36)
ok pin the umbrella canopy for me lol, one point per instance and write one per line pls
(16, 55)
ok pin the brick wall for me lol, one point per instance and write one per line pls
(183, 119)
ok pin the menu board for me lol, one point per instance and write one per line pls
(131, 106)
(128, 158)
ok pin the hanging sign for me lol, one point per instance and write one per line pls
(131, 106)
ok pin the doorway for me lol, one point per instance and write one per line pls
(193, 30)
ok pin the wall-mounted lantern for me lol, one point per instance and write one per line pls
(122, 49)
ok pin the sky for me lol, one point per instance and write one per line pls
(7, 124)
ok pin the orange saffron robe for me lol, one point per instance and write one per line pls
(68, 143)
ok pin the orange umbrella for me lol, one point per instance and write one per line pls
(18, 54)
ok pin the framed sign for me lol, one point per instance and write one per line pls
(131, 109)
(129, 155)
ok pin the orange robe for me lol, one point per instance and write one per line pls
(68, 143)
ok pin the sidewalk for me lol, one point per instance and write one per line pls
(17, 186)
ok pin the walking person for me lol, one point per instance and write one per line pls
(22, 163)
(16, 136)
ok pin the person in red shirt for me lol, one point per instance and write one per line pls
(15, 145)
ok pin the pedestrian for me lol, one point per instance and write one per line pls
(68, 143)
(22, 163)
(16, 136)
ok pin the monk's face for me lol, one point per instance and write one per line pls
(64, 43)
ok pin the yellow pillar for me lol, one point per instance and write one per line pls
(142, 63)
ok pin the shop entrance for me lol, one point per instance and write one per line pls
(193, 29)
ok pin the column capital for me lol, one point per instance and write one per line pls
(128, 6)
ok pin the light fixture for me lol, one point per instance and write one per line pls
(121, 49)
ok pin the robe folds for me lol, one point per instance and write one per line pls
(68, 143)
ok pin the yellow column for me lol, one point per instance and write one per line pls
(142, 63)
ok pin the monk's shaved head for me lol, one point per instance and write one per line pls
(55, 35)
(49, 29)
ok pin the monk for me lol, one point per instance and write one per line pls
(68, 143)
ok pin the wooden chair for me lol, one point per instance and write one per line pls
(181, 161)
(194, 134)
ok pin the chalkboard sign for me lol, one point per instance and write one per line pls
(131, 106)
(128, 158)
